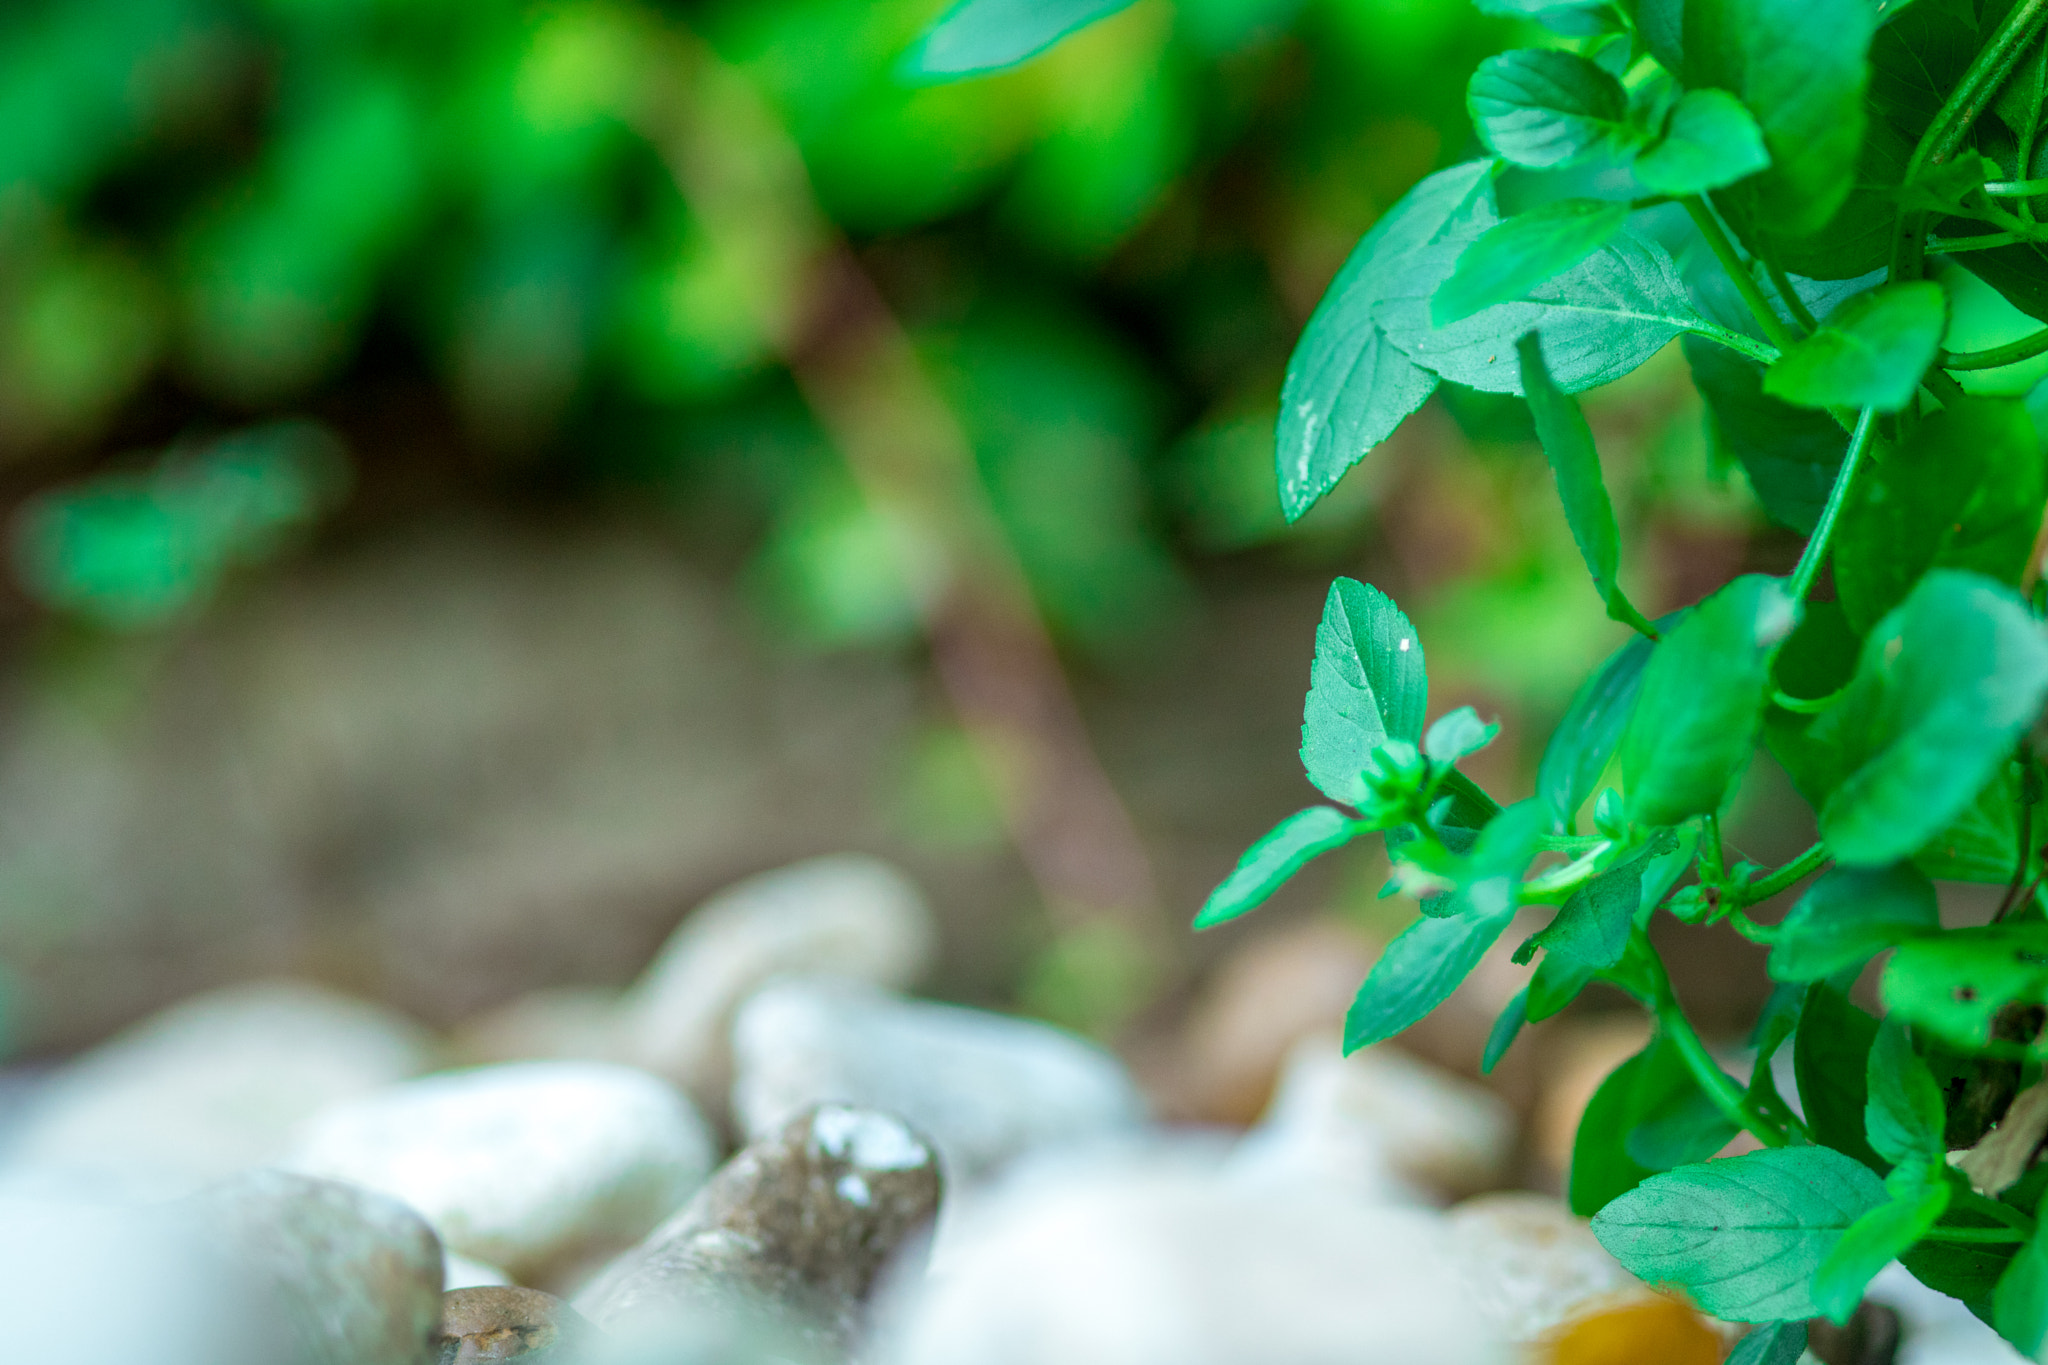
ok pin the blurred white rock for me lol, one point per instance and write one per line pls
(461, 1272)
(1157, 1261)
(1531, 1264)
(211, 1086)
(330, 1273)
(556, 1024)
(1379, 1122)
(526, 1165)
(87, 1283)
(846, 915)
(984, 1087)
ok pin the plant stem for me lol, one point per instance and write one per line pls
(2026, 348)
(1738, 271)
(2015, 189)
(1950, 245)
(1804, 706)
(1771, 883)
(1810, 559)
(1939, 1234)
(1800, 313)
(1720, 1087)
(1988, 71)
(1960, 1199)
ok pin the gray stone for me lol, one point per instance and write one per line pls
(1532, 1265)
(791, 1234)
(524, 1166)
(209, 1087)
(508, 1323)
(334, 1274)
(845, 915)
(1157, 1261)
(985, 1087)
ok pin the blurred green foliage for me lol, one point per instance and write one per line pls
(221, 211)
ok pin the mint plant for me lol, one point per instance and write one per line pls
(1792, 190)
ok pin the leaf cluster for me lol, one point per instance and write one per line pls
(1791, 189)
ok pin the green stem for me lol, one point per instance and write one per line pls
(1949, 246)
(1805, 706)
(2026, 348)
(1719, 1086)
(1766, 934)
(1800, 313)
(1939, 1234)
(1771, 883)
(1944, 388)
(1738, 272)
(1735, 341)
(2015, 189)
(1961, 1198)
(1810, 559)
(1951, 124)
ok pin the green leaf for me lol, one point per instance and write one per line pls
(1702, 701)
(1593, 925)
(1573, 18)
(1600, 319)
(1789, 454)
(1677, 1123)
(1904, 1116)
(1849, 916)
(1511, 258)
(987, 35)
(1348, 387)
(2020, 1303)
(1873, 1242)
(1504, 1032)
(1964, 491)
(1800, 67)
(1743, 1236)
(1557, 982)
(1419, 970)
(1779, 1343)
(1568, 443)
(1540, 107)
(1426, 961)
(1967, 1272)
(1602, 1170)
(1710, 141)
(1943, 687)
(1869, 353)
(1585, 738)
(1830, 1056)
(1367, 686)
(1457, 734)
(1267, 864)
(1954, 984)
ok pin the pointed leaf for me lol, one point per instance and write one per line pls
(1367, 686)
(1348, 387)
(1800, 69)
(1849, 916)
(1964, 491)
(1869, 353)
(1702, 701)
(1277, 856)
(987, 35)
(1943, 687)
(1710, 141)
(2020, 1303)
(1540, 107)
(1594, 923)
(1743, 1236)
(1780, 1343)
(1873, 1242)
(1585, 739)
(1954, 984)
(1904, 1116)
(1457, 734)
(1830, 1059)
(1511, 258)
(1420, 968)
(1568, 443)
